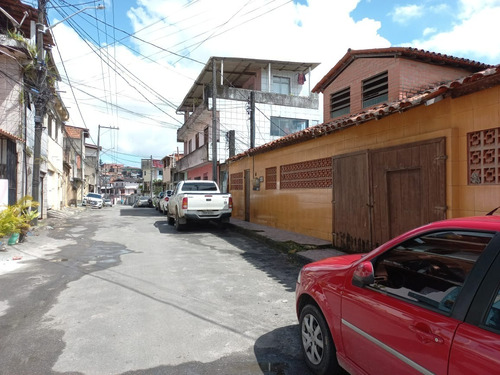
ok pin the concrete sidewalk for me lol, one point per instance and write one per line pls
(305, 248)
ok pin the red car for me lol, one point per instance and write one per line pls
(426, 302)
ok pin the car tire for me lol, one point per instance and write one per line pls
(317, 343)
(170, 219)
(178, 226)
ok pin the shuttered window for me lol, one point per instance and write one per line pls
(340, 103)
(375, 90)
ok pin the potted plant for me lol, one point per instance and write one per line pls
(15, 220)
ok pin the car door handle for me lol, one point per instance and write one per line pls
(425, 334)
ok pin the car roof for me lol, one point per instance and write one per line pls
(487, 222)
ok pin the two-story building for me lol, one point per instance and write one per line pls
(18, 94)
(256, 101)
(409, 137)
(170, 175)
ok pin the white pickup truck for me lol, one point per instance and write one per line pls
(197, 200)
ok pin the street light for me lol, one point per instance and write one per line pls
(45, 28)
(43, 95)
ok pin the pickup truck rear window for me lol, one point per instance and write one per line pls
(199, 187)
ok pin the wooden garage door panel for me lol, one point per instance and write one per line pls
(422, 198)
(404, 188)
(351, 202)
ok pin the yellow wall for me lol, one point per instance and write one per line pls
(309, 211)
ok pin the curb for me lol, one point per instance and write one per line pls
(298, 253)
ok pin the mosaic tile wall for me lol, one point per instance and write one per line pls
(236, 181)
(312, 174)
(271, 178)
(484, 157)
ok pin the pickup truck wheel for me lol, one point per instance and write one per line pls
(317, 343)
(178, 226)
(170, 220)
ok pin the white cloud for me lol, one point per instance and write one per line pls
(472, 36)
(404, 14)
(428, 31)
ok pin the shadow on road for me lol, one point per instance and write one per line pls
(278, 352)
(138, 211)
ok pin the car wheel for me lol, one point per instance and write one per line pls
(317, 343)
(170, 219)
(178, 226)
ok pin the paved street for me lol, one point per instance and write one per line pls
(118, 291)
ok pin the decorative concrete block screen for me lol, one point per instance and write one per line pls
(271, 178)
(484, 155)
(236, 181)
(312, 174)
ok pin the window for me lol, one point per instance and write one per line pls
(197, 140)
(205, 136)
(271, 176)
(430, 270)
(340, 103)
(281, 126)
(493, 316)
(281, 85)
(375, 90)
(190, 145)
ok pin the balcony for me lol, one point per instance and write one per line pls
(193, 159)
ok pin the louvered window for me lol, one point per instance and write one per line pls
(340, 103)
(375, 90)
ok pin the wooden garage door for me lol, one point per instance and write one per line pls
(351, 202)
(379, 194)
(408, 187)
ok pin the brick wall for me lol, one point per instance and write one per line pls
(406, 77)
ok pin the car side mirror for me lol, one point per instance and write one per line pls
(363, 274)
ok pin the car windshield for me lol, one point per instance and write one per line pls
(193, 186)
(91, 195)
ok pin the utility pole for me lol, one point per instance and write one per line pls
(40, 102)
(252, 119)
(214, 120)
(151, 176)
(98, 166)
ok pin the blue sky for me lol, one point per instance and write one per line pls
(136, 83)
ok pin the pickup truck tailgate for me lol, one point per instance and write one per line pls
(207, 202)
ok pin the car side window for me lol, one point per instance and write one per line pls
(431, 269)
(493, 315)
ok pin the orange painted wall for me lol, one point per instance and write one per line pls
(310, 211)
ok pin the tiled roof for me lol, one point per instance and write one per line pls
(466, 85)
(10, 136)
(407, 52)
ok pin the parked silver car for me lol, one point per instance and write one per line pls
(93, 200)
(163, 203)
(143, 201)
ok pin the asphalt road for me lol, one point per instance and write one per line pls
(119, 291)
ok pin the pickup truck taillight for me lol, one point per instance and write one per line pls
(230, 202)
(184, 203)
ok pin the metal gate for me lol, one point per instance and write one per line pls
(8, 167)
